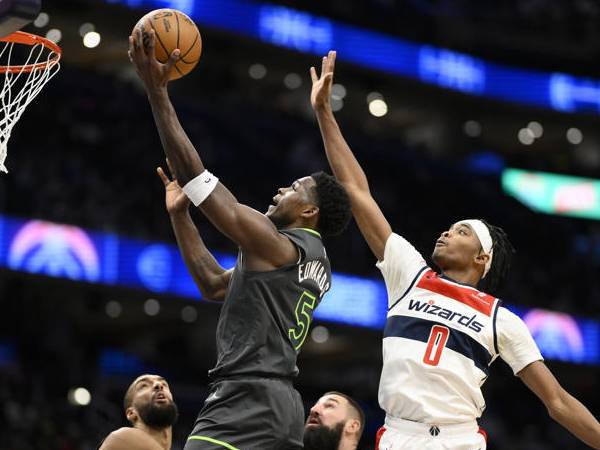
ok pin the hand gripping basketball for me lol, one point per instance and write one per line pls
(153, 73)
(164, 30)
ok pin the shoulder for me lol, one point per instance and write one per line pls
(308, 240)
(128, 438)
(508, 318)
(399, 251)
(512, 330)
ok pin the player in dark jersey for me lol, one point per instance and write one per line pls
(150, 409)
(281, 274)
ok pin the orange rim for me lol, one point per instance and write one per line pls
(20, 37)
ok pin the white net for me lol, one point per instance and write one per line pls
(24, 78)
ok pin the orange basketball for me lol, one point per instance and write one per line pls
(173, 29)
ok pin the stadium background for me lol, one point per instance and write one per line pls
(85, 152)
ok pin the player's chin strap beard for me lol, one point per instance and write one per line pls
(485, 239)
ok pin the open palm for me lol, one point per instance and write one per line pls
(175, 199)
(321, 85)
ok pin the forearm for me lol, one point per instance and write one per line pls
(576, 418)
(178, 148)
(206, 272)
(342, 161)
(369, 218)
(186, 161)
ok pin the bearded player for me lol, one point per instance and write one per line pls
(151, 411)
(335, 422)
(442, 333)
(281, 275)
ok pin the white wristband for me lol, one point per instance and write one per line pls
(198, 189)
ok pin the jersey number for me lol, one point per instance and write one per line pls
(304, 308)
(435, 345)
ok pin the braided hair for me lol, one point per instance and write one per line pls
(502, 256)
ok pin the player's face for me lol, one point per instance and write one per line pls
(153, 401)
(456, 248)
(329, 411)
(290, 202)
(325, 424)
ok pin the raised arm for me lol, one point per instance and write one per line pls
(371, 221)
(562, 407)
(207, 273)
(254, 232)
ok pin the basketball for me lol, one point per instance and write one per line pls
(173, 30)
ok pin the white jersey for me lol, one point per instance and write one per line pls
(440, 339)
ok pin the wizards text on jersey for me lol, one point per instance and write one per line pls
(432, 309)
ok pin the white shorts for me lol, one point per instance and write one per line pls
(398, 434)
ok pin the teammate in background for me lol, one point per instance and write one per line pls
(150, 409)
(281, 275)
(442, 333)
(335, 422)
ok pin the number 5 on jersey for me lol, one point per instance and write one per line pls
(435, 345)
(304, 309)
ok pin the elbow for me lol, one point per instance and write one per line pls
(557, 408)
(209, 293)
(212, 291)
(214, 295)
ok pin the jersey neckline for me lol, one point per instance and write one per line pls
(309, 230)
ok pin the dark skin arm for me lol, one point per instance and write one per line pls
(207, 273)
(264, 248)
(371, 221)
(562, 407)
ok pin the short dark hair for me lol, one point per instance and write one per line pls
(128, 399)
(501, 259)
(354, 406)
(332, 199)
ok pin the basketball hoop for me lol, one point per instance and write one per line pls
(37, 62)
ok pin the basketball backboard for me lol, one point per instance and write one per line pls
(15, 14)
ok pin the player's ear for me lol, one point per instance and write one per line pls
(131, 415)
(309, 211)
(482, 259)
(352, 426)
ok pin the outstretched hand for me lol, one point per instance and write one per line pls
(320, 96)
(175, 199)
(152, 72)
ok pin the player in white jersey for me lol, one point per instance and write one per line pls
(441, 333)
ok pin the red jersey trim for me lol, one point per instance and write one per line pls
(471, 297)
(378, 437)
(482, 432)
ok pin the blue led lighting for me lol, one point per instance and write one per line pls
(66, 251)
(304, 32)
(8, 353)
(117, 362)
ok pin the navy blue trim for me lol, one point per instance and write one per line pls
(498, 305)
(412, 284)
(420, 329)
